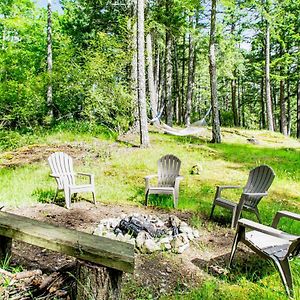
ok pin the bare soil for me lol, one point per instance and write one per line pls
(161, 273)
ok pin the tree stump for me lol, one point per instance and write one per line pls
(5, 247)
(95, 282)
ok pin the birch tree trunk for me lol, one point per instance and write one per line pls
(262, 103)
(49, 60)
(267, 79)
(216, 134)
(144, 135)
(134, 71)
(183, 78)
(168, 80)
(190, 84)
(151, 83)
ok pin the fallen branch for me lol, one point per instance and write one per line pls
(27, 274)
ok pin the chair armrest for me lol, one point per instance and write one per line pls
(266, 229)
(91, 176)
(284, 213)
(177, 181)
(223, 187)
(147, 181)
(84, 174)
(55, 175)
(59, 175)
(148, 177)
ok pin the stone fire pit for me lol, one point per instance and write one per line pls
(148, 232)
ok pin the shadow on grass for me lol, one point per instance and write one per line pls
(47, 196)
(245, 266)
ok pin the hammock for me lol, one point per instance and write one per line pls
(191, 130)
(195, 128)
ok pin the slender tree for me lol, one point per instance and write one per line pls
(151, 82)
(191, 76)
(49, 60)
(168, 78)
(144, 135)
(216, 134)
(132, 27)
(267, 73)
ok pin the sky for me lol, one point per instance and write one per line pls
(55, 4)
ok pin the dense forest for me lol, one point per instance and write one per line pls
(120, 63)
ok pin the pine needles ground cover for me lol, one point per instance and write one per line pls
(119, 171)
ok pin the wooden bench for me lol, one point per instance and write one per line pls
(101, 261)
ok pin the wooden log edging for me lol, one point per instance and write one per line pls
(100, 261)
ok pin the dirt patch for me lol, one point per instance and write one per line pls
(161, 273)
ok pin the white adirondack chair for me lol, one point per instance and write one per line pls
(270, 243)
(168, 178)
(61, 165)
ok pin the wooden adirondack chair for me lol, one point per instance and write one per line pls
(168, 178)
(61, 165)
(270, 243)
(259, 181)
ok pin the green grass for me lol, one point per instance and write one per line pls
(119, 170)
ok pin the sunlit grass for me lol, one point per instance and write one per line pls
(119, 171)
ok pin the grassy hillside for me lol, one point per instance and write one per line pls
(119, 168)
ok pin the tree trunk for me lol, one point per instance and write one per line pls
(151, 83)
(239, 100)
(132, 28)
(168, 80)
(95, 282)
(144, 136)
(283, 120)
(267, 79)
(183, 79)
(190, 80)
(157, 81)
(49, 61)
(216, 134)
(233, 102)
(298, 109)
(289, 114)
(262, 102)
(176, 86)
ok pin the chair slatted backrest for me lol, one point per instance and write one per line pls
(61, 165)
(259, 181)
(168, 170)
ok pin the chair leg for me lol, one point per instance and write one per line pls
(175, 199)
(55, 195)
(233, 220)
(94, 197)
(67, 193)
(283, 267)
(212, 210)
(236, 216)
(146, 197)
(257, 214)
(236, 240)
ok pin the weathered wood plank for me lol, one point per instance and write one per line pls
(106, 252)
